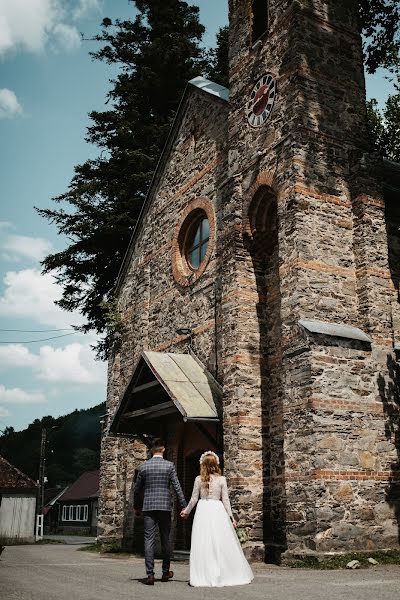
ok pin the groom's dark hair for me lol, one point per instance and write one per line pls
(157, 445)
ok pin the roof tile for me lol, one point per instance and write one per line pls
(86, 486)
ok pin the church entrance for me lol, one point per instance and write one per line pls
(174, 397)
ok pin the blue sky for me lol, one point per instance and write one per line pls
(48, 85)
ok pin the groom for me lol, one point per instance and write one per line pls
(154, 478)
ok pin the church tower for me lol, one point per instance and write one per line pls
(306, 289)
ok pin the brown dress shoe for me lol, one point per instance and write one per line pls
(167, 576)
(150, 580)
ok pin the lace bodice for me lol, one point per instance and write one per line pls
(218, 490)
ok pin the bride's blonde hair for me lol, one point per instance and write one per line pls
(208, 466)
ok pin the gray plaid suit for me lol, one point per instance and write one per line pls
(154, 479)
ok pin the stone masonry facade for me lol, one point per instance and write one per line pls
(301, 229)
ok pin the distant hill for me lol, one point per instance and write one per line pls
(73, 445)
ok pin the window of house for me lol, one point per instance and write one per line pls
(197, 242)
(260, 19)
(75, 512)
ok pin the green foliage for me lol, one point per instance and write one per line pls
(242, 535)
(156, 53)
(73, 446)
(218, 59)
(380, 23)
(85, 459)
(384, 127)
(105, 548)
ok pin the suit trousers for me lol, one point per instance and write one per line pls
(152, 520)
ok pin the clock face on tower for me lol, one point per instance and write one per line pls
(261, 101)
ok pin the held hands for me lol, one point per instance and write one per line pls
(184, 515)
(234, 523)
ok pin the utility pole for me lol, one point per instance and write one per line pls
(42, 470)
(41, 481)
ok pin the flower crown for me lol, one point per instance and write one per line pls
(209, 453)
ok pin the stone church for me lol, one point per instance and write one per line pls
(260, 297)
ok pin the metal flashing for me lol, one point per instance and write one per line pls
(189, 384)
(192, 390)
(335, 330)
(210, 87)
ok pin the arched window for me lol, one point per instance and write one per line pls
(197, 242)
(260, 19)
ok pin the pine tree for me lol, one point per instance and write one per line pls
(157, 54)
(217, 68)
(385, 127)
(380, 24)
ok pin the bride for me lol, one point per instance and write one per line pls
(216, 557)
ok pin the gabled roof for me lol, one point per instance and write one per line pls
(187, 388)
(12, 478)
(213, 92)
(86, 486)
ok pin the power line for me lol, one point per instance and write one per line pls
(56, 337)
(37, 330)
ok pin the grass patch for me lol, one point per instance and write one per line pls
(390, 557)
(45, 541)
(109, 548)
(91, 548)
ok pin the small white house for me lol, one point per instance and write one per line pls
(17, 505)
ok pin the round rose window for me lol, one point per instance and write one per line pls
(193, 241)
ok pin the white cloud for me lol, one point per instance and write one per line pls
(75, 363)
(19, 396)
(27, 24)
(29, 294)
(9, 105)
(15, 356)
(67, 36)
(33, 25)
(17, 246)
(84, 7)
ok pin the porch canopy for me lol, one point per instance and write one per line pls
(164, 387)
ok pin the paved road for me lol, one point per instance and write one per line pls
(62, 572)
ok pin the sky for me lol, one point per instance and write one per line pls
(48, 85)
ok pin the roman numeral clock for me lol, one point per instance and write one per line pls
(261, 100)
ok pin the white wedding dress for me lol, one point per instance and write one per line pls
(216, 556)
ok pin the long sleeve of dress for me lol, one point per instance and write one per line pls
(195, 496)
(225, 497)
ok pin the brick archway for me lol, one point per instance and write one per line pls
(265, 179)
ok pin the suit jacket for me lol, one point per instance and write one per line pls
(154, 478)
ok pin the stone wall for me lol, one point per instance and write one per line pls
(299, 231)
(332, 421)
(153, 304)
